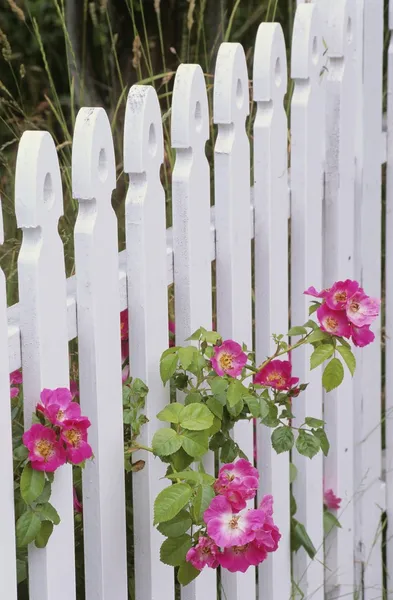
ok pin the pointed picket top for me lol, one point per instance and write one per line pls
(190, 106)
(231, 96)
(307, 46)
(270, 64)
(93, 156)
(38, 189)
(342, 25)
(143, 137)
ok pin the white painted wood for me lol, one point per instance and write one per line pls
(43, 326)
(148, 317)
(96, 262)
(370, 497)
(7, 537)
(191, 225)
(271, 202)
(307, 129)
(389, 318)
(233, 248)
(339, 220)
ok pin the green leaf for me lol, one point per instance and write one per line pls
(264, 406)
(318, 336)
(329, 522)
(333, 375)
(343, 342)
(27, 528)
(313, 308)
(271, 419)
(303, 539)
(187, 573)
(173, 551)
(307, 444)
(311, 325)
(323, 440)
(292, 472)
(44, 534)
(217, 441)
(44, 497)
(196, 417)
(348, 357)
(32, 484)
(235, 410)
(48, 513)
(253, 404)
(176, 526)
(168, 366)
(127, 416)
(282, 439)
(195, 443)
(203, 496)
(171, 413)
(311, 422)
(211, 337)
(50, 477)
(235, 392)
(218, 385)
(297, 331)
(193, 477)
(215, 406)
(193, 398)
(196, 335)
(229, 451)
(170, 501)
(186, 356)
(216, 427)
(21, 570)
(166, 441)
(293, 505)
(180, 460)
(320, 354)
(21, 452)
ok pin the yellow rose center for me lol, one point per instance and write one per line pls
(355, 306)
(225, 361)
(331, 323)
(73, 436)
(277, 378)
(341, 296)
(233, 523)
(45, 449)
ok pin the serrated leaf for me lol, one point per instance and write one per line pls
(333, 375)
(297, 331)
(253, 404)
(193, 398)
(307, 444)
(193, 477)
(211, 337)
(46, 494)
(314, 307)
(329, 522)
(264, 408)
(203, 497)
(323, 440)
(47, 512)
(170, 501)
(215, 406)
(171, 413)
(187, 573)
(292, 472)
(44, 534)
(176, 526)
(218, 385)
(166, 441)
(32, 484)
(168, 366)
(282, 439)
(235, 410)
(318, 336)
(196, 335)
(229, 451)
(271, 419)
(348, 357)
(180, 460)
(311, 422)
(320, 354)
(196, 417)
(186, 356)
(173, 550)
(236, 391)
(195, 443)
(215, 427)
(311, 324)
(27, 528)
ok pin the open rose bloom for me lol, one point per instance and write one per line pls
(229, 359)
(237, 536)
(63, 436)
(346, 311)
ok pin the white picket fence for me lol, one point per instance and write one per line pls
(333, 207)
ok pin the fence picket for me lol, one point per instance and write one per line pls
(369, 488)
(307, 114)
(7, 538)
(96, 261)
(233, 247)
(389, 319)
(191, 224)
(271, 205)
(43, 326)
(339, 219)
(148, 320)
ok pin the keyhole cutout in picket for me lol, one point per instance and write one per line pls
(198, 116)
(239, 93)
(102, 165)
(48, 191)
(152, 140)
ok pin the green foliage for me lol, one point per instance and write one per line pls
(170, 501)
(333, 375)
